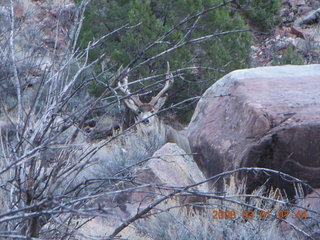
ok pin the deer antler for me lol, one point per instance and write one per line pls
(168, 84)
(125, 89)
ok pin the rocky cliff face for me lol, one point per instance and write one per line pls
(42, 29)
(264, 117)
(35, 37)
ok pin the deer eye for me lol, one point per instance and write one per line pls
(152, 111)
(139, 112)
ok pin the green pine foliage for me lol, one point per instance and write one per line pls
(263, 14)
(151, 19)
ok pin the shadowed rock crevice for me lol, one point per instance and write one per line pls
(294, 151)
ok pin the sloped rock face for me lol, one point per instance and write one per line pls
(170, 166)
(168, 169)
(263, 117)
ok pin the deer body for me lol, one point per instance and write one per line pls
(179, 137)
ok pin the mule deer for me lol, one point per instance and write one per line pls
(145, 113)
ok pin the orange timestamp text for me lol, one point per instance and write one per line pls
(257, 215)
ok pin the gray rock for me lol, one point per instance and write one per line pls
(311, 18)
(304, 10)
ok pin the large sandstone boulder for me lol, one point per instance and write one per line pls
(263, 117)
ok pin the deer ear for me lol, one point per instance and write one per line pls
(131, 104)
(161, 101)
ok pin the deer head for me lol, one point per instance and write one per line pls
(144, 111)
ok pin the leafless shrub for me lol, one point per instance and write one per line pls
(49, 171)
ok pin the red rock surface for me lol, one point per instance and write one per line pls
(265, 117)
